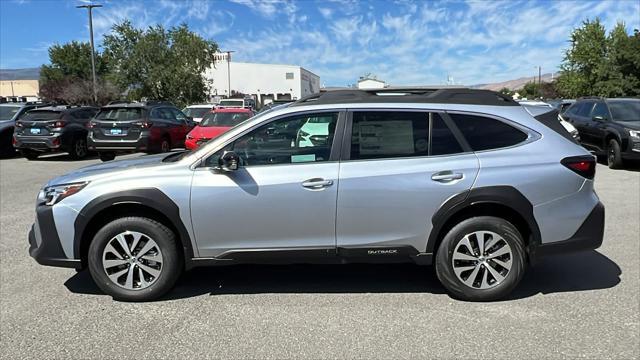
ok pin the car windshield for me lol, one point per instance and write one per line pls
(196, 112)
(119, 114)
(232, 103)
(7, 112)
(35, 115)
(226, 119)
(625, 110)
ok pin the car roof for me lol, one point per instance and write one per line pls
(418, 95)
(137, 104)
(62, 108)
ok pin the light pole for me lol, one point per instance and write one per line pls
(93, 52)
(229, 71)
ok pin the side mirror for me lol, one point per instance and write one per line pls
(229, 161)
(599, 118)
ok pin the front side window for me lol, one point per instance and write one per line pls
(585, 109)
(484, 133)
(296, 139)
(600, 110)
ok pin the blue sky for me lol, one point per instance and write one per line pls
(402, 42)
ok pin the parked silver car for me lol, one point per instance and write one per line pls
(465, 179)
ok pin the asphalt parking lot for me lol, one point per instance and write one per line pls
(582, 305)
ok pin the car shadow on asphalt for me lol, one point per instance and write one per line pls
(578, 272)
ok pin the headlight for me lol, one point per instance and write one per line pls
(634, 134)
(51, 195)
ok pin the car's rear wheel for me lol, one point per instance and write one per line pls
(481, 259)
(614, 155)
(165, 145)
(135, 259)
(29, 154)
(107, 156)
(78, 148)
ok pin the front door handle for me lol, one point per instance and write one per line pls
(317, 183)
(446, 176)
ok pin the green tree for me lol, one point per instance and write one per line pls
(529, 90)
(68, 78)
(159, 64)
(601, 64)
(506, 91)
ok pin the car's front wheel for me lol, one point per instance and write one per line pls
(481, 259)
(135, 259)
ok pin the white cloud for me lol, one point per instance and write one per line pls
(326, 13)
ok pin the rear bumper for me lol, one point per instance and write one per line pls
(589, 236)
(44, 243)
(41, 143)
(139, 145)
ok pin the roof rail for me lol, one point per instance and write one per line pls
(590, 97)
(426, 94)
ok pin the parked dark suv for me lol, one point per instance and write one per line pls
(53, 129)
(9, 113)
(151, 127)
(608, 126)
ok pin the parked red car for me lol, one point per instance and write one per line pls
(214, 124)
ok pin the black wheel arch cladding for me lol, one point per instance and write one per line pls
(505, 196)
(148, 197)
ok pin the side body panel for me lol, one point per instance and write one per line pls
(390, 202)
(263, 207)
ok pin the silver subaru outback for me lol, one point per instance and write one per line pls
(466, 180)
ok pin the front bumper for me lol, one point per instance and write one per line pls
(44, 243)
(633, 151)
(589, 236)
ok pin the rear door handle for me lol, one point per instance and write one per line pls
(317, 183)
(446, 176)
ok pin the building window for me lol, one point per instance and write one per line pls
(289, 76)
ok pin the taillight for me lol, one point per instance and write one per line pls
(584, 166)
(91, 124)
(143, 124)
(59, 124)
(19, 124)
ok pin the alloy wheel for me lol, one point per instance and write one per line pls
(482, 259)
(132, 260)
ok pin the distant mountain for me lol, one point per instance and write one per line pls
(516, 84)
(20, 74)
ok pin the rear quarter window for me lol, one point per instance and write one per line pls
(483, 133)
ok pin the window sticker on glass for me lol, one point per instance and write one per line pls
(386, 137)
(303, 158)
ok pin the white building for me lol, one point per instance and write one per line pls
(370, 83)
(265, 82)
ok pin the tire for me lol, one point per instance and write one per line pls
(29, 154)
(6, 147)
(160, 244)
(78, 149)
(107, 156)
(165, 145)
(614, 155)
(504, 236)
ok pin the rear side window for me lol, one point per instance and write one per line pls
(600, 110)
(386, 134)
(484, 133)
